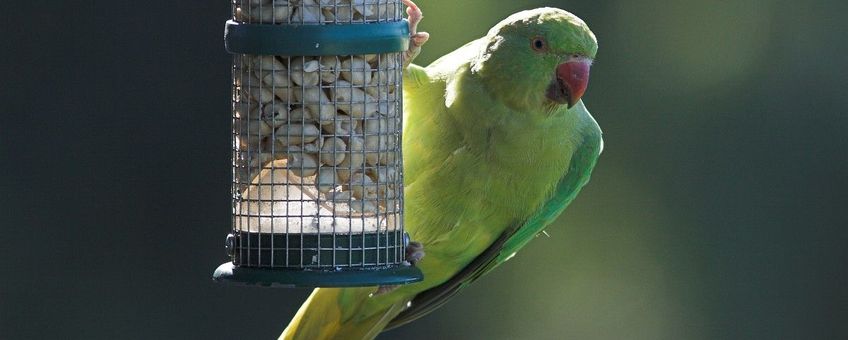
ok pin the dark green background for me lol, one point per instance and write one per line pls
(716, 211)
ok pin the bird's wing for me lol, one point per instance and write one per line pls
(513, 239)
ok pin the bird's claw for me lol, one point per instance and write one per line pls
(383, 290)
(414, 253)
(416, 39)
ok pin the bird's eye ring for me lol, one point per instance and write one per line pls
(538, 44)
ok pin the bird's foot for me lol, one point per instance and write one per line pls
(414, 253)
(416, 39)
(384, 289)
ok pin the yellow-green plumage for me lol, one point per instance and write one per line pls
(488, 163)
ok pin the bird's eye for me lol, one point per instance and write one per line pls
(539, 44)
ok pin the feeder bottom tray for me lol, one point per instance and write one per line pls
(317, 260)
(291, 278)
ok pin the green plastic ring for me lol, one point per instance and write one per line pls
(290, 278)
(316, 40)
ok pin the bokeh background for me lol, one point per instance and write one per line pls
(717, 210)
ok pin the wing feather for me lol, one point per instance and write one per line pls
(513, 239)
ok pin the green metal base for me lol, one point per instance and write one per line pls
(318, 251)
(291, 278)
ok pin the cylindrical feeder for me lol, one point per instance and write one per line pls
(317, 192)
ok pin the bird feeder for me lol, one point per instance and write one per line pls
(317, 191)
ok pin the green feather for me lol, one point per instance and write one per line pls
(489, 162)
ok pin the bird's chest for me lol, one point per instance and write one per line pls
(516, 168)
(503, 181)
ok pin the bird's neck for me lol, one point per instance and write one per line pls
(521, 154)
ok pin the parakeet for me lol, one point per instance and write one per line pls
(496, 144)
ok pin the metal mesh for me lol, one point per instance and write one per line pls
(315, 12)
(317, 173)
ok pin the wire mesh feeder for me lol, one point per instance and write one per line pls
(317, 167)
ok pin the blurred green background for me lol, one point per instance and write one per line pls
(717, 210)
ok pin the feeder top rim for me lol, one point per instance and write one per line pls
(316, 40)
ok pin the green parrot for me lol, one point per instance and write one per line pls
(496, 144)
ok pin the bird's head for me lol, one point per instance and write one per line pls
(538, 59)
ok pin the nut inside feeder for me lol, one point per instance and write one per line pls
(317, 167)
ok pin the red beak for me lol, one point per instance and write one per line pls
(574, 76)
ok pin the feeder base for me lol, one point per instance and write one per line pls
(293, 278)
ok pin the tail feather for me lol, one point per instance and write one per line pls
(341, 313)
